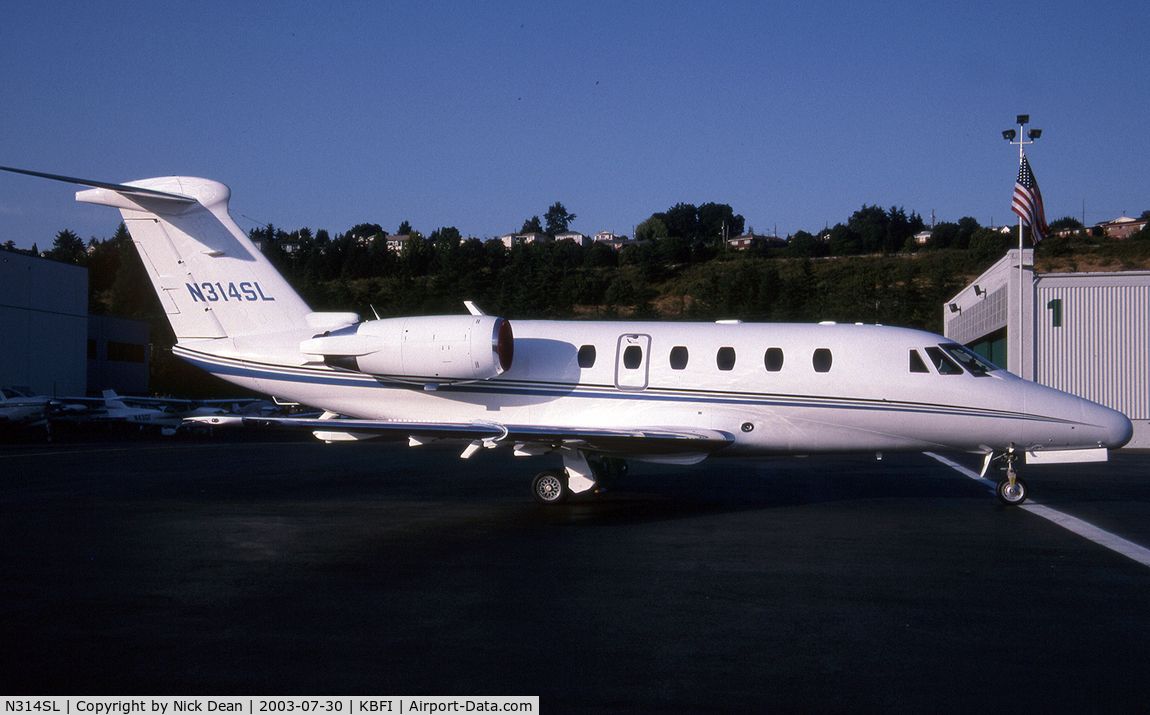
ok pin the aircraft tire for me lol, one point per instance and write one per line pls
(550, 487)
(1012, 495)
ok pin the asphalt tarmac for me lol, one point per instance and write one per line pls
(817, 585)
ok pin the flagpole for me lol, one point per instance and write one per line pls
(1022, 361)
(1009, 135)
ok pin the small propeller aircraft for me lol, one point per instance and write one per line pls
(139, 412)
(590, 392)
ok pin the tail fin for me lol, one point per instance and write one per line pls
(212, 281)
(111, 399)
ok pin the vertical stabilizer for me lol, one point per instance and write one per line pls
(212, 281)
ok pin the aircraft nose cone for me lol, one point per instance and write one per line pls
(1117, 428)
(1084, 424)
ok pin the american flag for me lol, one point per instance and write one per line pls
(1028, 202)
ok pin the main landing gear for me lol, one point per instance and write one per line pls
(1011, 489)
(578, 475)
(550, 487)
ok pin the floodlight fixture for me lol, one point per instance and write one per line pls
(1011, 135)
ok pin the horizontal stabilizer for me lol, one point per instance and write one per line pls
(118, 188)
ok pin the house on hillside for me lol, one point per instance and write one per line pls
(747, 240)
(395, 244)
(511, 239)
(574, 236)
(1123, 227)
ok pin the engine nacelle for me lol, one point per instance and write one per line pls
(435, 349)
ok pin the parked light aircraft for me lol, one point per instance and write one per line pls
(588, 391)
(149, 413)
(19, 408)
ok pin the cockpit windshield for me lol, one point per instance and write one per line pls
(974, 363)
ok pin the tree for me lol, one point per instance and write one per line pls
(557, 218)
(104, 262)
(599, 255)
(843, 241)
(415, 257)
(446, 241)
(869, 227)
(673, 250)
(682, 220)
(532, 225)
(651, 229)
(447, 237)
(989, 245)
(943, 235)
(803, 245)
(901, 229)
(967, 227)
(68, 248)
(1069, 223)
(713, 218)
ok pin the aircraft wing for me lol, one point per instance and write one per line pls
(623, 441)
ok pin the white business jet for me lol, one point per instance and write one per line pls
(592, 392)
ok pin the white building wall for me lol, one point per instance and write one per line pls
(1101, 350)
(996, 305)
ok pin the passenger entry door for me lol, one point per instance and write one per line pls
(631, 362)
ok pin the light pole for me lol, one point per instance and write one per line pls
(1010, 135)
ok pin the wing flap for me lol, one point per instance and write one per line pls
(630, 440)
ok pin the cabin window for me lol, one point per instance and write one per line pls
(773, 359)
(942, 363)
(587, 356)
(822, 360)
(725, 358)
(679, 357)
(916, 363)
(632, 357)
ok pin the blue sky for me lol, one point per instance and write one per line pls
(480, 115)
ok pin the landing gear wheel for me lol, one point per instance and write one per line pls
(1012, 494)
(550, 487)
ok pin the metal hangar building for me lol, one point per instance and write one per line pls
(1085, 333)
(50, 345)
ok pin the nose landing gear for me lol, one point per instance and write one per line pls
(1011, 490)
